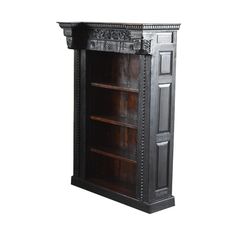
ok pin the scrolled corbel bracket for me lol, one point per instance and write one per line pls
(71, 32)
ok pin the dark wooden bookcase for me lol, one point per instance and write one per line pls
(124, 85)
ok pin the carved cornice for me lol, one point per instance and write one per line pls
(113, 37)
(122, 25)
(135, 26)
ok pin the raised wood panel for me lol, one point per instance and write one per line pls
(164, 106)
(162, 164)
(166, 63)
(164, 37)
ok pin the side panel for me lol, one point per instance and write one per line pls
(162, 116)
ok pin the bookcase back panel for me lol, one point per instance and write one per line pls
(111, 173)
(121, 140)
(114, 103)
(114, 68)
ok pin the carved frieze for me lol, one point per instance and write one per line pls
(110, 34)
(135, 46)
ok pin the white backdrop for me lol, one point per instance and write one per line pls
(36, 115)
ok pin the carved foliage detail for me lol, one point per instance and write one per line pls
(109, 34)
(146, 45)
(69, 41)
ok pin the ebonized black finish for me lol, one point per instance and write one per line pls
(124, 95)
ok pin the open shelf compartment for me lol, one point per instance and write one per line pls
(114, 70)
(112, 104)
(117, 175)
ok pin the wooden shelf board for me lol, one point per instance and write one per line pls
(115, 121)
(113, 153)
(114, 87)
